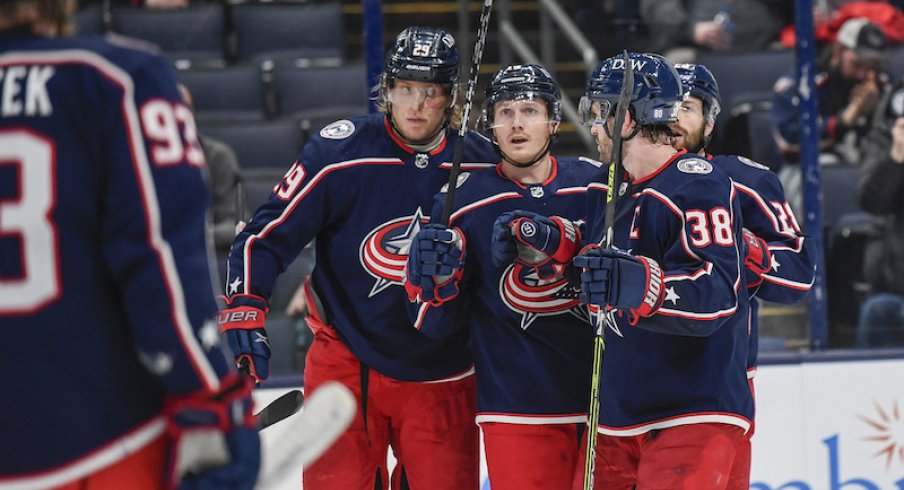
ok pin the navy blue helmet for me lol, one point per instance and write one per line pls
(523, 82)
(699, 82)
(655, 97)
(423, 54)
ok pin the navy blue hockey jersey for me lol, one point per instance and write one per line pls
(531, 337)
(766, 213)
(363, 194)
(686, 363)
(106, 299)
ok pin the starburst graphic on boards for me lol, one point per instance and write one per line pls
(889, 427)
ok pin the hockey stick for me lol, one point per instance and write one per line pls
(303, 438)
(281, 408)
(466, 110)
(599, 342)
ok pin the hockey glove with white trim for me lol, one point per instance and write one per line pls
(757, 258)
(631, 283)
(243, 323)
(435, 264)
(547, 244)
(215, 439)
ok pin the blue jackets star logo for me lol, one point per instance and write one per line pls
(384, 251)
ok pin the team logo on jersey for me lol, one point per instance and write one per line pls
(384, 251)
(622, 189)
(753, 163)
(462, 177)
(338, 130)
(695, 166)
(421, 160)
(522, 290)
(537, 192)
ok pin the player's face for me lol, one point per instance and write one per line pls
(691, 127)
(603, 140)
(418, 109)
(522, 128)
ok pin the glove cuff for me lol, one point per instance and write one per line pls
(757, 260)
(241, 318)
(654, 294)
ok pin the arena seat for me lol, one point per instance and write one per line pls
(230, 93)
(307, 89)
(301, 30)
(260, 144)
(195, 32)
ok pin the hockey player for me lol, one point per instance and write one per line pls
(531, 337)
(115, 376)
(779, 266)
(675, 403)
(362, 188)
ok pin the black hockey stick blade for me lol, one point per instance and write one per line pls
(280, 409)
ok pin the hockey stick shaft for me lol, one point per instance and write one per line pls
(599, 343)
(466, 109)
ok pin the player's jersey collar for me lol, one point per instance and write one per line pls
(677, 156)
(552, 174)
(398, 140)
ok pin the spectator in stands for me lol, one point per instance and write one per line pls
(881, 191)
(712, 25)
(848, 87)
(224, 175)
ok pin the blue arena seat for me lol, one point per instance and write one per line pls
(894, 62)
(260, 144)
(762, 144)
(301, 90)
(301, 30)
(746, 73)
(228, 93)
(195, 32)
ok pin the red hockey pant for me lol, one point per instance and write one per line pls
(686, 457)
(531, 457)
(430, 427)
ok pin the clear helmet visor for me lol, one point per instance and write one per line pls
(592, 112)
(524, 108)
(432, 96)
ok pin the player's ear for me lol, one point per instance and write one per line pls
(708, 129)
(629, 124)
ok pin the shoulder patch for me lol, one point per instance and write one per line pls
(338, 130)
(595, 163)
(695, 166)
(462, 177)
(753, 163)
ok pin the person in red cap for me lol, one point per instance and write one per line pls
(848, 87)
